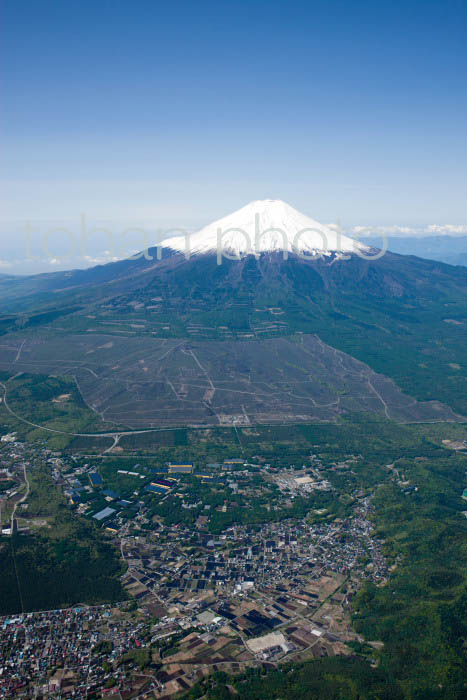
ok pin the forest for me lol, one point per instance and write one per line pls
(58, 565)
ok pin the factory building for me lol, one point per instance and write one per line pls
(181, 468)
(95, 479)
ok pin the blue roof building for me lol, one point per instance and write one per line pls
(103, 514)
(155, 489)
(95, 479)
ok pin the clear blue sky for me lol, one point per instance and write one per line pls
(176, 113)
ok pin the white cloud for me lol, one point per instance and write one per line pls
(388, 230)
(447, 229)
(405, 231)
(106, 257)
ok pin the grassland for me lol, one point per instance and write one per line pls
(156, 383)
(55, 403)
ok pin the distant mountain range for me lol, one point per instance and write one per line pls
(448, 249)
(403, 317)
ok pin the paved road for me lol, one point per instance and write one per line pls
(115, 434)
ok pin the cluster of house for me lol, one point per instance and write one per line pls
(244, 558)
(247, 595)
(61, 653)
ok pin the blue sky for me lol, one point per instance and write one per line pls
(167, 114)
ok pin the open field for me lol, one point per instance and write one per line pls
(153, 383)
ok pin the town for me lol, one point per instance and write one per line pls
(227, 565)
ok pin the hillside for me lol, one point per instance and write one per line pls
(404, 317)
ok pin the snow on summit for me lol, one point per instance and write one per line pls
(265, 226)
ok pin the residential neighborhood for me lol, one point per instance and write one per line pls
(200, 596)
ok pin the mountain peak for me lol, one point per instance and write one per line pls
(265, 226)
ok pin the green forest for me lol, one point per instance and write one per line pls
(325, 679)
(61, 564)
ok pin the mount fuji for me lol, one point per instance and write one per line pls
(270, 317)
(266, 226)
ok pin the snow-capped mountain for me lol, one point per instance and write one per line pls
(401, 315)
(265, 226)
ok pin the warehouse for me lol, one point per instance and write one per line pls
(104, 514)
(181, 468)
(160, 485)
(95, 479)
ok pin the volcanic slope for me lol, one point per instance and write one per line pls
(404, 317)
(149, 382)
